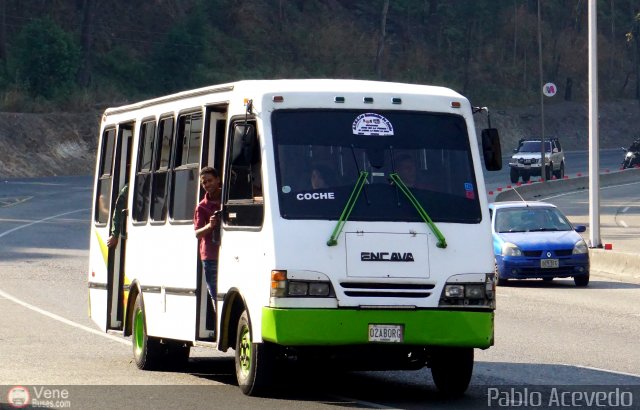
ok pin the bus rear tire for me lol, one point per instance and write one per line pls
(254, 361)
(451, 368)
(147, 351)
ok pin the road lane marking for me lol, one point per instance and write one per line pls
(62, 319)
(17, 228)
(601, 370)
(625, 209)
(623, 223)
(584, 190)
(47, 313)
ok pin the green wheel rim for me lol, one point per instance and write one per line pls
(245, 351)
(138, 331)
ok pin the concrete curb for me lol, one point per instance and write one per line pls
(620, 265)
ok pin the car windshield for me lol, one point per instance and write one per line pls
(530, 219)
(534, 146)
(320, 154)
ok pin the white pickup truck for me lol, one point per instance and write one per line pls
(525, 160)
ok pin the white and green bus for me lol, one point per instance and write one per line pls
(388, 264)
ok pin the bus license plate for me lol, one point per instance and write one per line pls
(549, 263)
(386, 333)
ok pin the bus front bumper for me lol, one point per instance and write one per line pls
(336, 327)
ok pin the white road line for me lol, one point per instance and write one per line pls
(585, 190)
(61, 319)
(625, 209)
(601, 370)
(47, 313)
(623, 223)
(17, 228)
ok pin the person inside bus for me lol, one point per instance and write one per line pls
(116, 221)
(322, 177)
(206, 221)
(408, 172)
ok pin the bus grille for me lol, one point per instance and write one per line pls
(388, 290)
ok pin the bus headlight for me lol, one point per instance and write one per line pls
(282, 287)
(319, 289)
(474, 293)
(298, 289)
(454, 291)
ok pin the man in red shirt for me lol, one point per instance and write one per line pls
(206, 220)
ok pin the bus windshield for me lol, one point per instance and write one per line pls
(321, 153)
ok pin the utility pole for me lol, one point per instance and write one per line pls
(543, 164)
(594, 149)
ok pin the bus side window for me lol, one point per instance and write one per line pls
(160, 181)
(185, 178)
(103, 199)
(244, 204)
(142, 188)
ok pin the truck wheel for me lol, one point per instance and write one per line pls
(560, 173)
(254, 361)
(451, 368)
(514, 175)
(147, 351)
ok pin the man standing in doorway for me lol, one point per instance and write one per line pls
(206, 221)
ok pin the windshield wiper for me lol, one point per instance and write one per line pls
(362, 179)
(442, 243)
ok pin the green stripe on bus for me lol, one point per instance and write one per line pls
(103, 247)
(307, 327)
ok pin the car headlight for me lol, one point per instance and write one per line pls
(580, 247)
(509, 249)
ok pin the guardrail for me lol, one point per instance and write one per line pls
(536, 190)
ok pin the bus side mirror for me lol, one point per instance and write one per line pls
(491, 149)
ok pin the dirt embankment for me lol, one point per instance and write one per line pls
(619, 124)
(33, 145)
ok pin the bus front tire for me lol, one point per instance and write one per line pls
(146, 349)
(451, 369)
(254, 361)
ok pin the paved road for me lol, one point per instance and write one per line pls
(546, 334)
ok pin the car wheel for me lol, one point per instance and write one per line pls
(547, 171)
(499, 282)
(514, 175)
(582, 280)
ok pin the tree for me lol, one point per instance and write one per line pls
(45, 59)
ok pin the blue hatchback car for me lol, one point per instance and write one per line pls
(536, 240)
